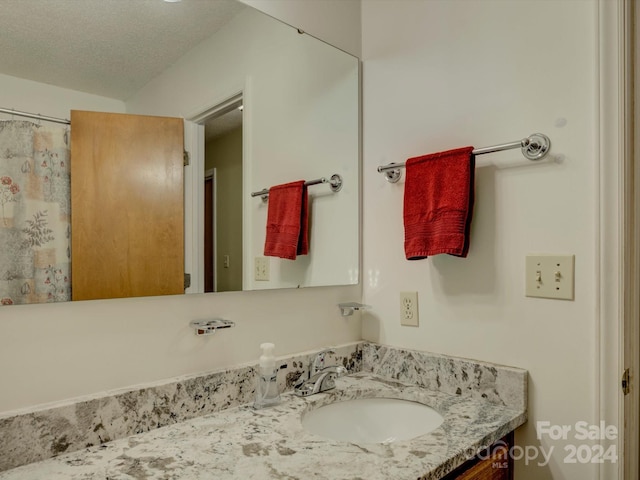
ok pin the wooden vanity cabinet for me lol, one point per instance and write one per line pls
(497, 466)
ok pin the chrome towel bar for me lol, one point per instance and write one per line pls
(534, 147)
(335, 183)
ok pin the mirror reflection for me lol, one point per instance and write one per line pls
(223, 201)
(264, 105)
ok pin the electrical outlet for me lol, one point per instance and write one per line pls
(226, 261)
(409, 309)
(261, 269)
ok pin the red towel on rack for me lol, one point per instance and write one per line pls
(438, 203)
(287, 221)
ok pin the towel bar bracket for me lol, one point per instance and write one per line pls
(335, 183)
(537, 146)
(263, 196)
(394, 175)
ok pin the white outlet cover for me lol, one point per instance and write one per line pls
(550, 276)
(409, 309)
(261, 269)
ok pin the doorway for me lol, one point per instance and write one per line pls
(223, 186)
(210, 231)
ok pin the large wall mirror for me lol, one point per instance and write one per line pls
(264, 104)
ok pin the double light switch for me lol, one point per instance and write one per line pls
(550, 276)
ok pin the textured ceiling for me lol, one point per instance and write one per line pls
(223, 124)
(110, 48)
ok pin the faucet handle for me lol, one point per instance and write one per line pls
(317, 363)
(299, 381)
(320, 381)
(325, 351)
(341, 371)
(328, 381)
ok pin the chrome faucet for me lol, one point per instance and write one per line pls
(318, 378)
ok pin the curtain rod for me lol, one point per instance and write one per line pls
(37, 116)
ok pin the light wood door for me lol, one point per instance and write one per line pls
(127, 214)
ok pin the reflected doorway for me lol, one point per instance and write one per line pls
(209, 231)
(223, 198)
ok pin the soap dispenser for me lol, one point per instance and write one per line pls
(267, 393)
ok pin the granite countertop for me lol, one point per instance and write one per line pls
(242, 442)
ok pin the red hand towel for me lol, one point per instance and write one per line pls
(438, 203)
(287, 221)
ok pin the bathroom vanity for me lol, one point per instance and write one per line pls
(497, 464)
(481, 405)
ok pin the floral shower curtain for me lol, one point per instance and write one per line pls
(35, 229)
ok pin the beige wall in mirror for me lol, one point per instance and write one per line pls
(223, 171)
(300, 122)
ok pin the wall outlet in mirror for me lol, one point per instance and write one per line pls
(261, 269)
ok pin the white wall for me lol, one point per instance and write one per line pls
(436, 75)
(50, 101)
(439, 75)
(56, 352)
(335, 21)
(288, 100)
(53, 352)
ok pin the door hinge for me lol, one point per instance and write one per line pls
(186, 158)
(625, 382)
(187, 280)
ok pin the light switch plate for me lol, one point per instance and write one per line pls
(261, 269)
(550, 276)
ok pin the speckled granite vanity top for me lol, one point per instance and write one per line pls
(241, 442)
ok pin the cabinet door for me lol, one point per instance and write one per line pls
(489, 469)
(127, 214)
(495, 464)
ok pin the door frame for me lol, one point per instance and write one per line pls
(630, 340)
(194, 180)
(212, 174)
(618, 267)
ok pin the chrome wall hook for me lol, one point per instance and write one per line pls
(347, 309)
(209, 327)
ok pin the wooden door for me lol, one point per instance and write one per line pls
(127, 214)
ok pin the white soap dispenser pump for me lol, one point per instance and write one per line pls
(267, 392)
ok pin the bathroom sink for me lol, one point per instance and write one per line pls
(372, 420)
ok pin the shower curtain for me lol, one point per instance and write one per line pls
(35, 228)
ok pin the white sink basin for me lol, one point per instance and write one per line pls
(372, 420)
